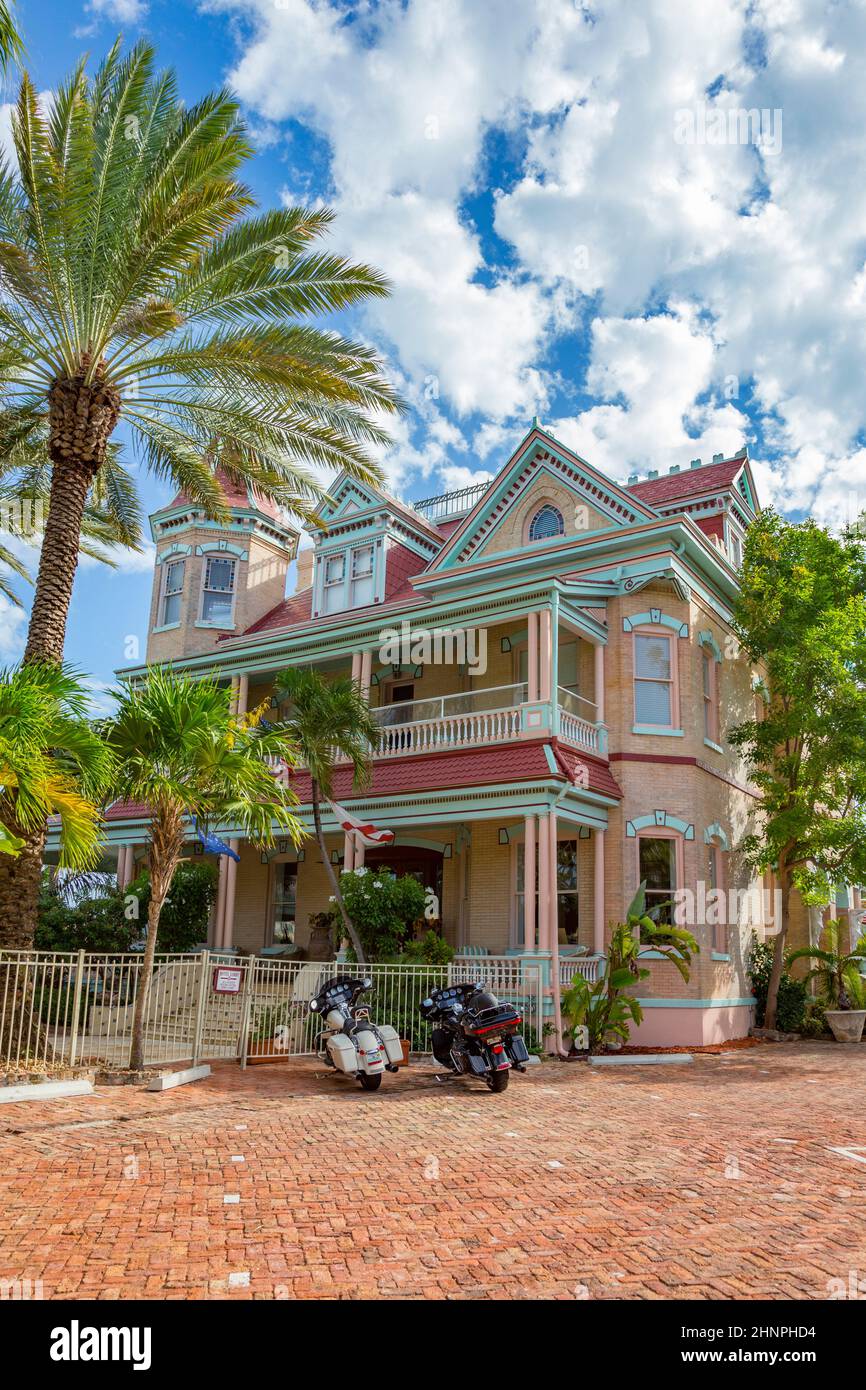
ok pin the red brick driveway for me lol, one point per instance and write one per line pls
(714, 1180)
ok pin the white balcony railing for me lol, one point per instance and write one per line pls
(469, 720)
(578, 722)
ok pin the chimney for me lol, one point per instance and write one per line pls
(674, 468)
(653, 473)
(632, 478)
(695, 463)
(718, 458)
(304, 577)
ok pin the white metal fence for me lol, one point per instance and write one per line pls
(76, 1008)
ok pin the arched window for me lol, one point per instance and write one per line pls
(547, 522)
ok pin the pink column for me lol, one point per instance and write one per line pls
(240, 700)
(553, 923)
(348, 852)
(599, 682)
(359, 853)
(356, 667)
(598, 892)
(543, 885)
(366, 673)
(532, 654)
(545, 654)
(219, 915)
(529, 873)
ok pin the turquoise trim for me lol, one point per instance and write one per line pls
(654, 617)
(719, 955)
(716, 747)
(657, 820)
(697, 1003)
(652, 729)
(214, 627)
(222, 548)
(715, 832)
(706, 639)
(166, 627)
(658, 955)
(551, 760)
(171, 553)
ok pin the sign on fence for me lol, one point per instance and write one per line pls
(227, 979)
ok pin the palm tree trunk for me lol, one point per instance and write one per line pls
(778, 949)
(329, 869)
(166, 847)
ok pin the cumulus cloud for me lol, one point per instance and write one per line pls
(712, 289)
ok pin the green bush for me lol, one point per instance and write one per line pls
(93, 924)
(186, 911)
(793, 994)
(383, 909)
(815, 1024)
(432, 949)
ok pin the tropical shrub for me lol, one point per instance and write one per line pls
(793, 994)
(183, 922)
(604, 1007)
(383, 909)
(91, 924)
(431, 949)
(837, 971)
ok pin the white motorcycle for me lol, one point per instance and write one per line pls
(350, 1041)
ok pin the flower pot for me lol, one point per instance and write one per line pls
(263, 1051)
(847, 1024)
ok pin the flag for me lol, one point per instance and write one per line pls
(212, 845)
(367, 833)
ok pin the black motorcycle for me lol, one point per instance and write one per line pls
(476, 1034)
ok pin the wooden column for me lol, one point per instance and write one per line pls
(356, 667)
(599, 682)
(545, 654)
(366, 673)
(529, 876)
(532, 655)
(543, 885)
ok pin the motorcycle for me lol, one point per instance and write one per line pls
(477, 1035)
(350, 1041)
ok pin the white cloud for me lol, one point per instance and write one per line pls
(13, 631)
(121, 11)
(702, 276)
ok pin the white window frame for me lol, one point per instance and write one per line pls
(370, 574)
(165, 595)
(206, 559)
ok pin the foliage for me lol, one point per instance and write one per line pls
(11, 43)
(90, 924)
(837, 971)
(801, 619)
(383, 908)
(431, 949)
(183, 921)
(604, 1007)
(792, 996)
(326, 720)
(51, 761)
(131, 259)
(181, 752)
(815, 1024)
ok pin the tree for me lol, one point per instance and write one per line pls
(52, 762)
(136, 284)
(11, 43)
(328, 720)
(801, 618)
(838, 970)
(180, 751)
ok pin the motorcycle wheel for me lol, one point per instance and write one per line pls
(368, 1082)
(497, 1080)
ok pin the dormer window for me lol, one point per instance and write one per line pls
(735, 546)
(362, 576)
(334, 583)
(218, 592)
(172, 590)
(546, 524)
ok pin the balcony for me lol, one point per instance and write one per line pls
(479, 718)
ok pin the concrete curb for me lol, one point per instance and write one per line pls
(644, 1059)
(45, 1090)
(170, 1079)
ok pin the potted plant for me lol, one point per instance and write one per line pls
(839, 975)
(268, 1039)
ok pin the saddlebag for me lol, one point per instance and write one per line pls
(391, 1040)
(342, 1052)
(516, 1048)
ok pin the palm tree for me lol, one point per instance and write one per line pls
(180, 751)
(11, 43)
(136, 284)
(52, 762)
(837, 971)
(328, 720)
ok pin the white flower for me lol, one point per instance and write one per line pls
(359, 873)
(332, 900)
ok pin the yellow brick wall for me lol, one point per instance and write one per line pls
(577, 515)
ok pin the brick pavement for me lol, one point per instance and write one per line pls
(633, 1183)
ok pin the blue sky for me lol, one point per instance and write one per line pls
(576, 220)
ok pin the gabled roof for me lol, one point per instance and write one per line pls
(694, 482)
(238, 495)
(538, 451)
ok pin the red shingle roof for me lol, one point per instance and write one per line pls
(236, 495)
(689, 483)
(586, 771)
